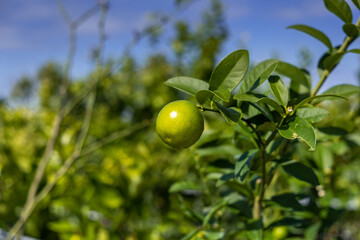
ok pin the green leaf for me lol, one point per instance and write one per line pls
(228, 74)
(293, 73)
(340, 8)
(301, 172)
(279, 90)
(312, 114)
(251, 97)
(190, 234)
(355, 51)
(231, 115)
(331, 61)
(262, 108)
(287, 200)
(214, 235)
(224, 178)
(242, 165)
(350, 29)
(325, 157)
(309, 99)
(258, 75)
(211, 213)
(299, 128)
(343, 90)
(288, 221)
(187, 84)
(183, 185)
(314, 33)
(223, 150)
(357, 3)
(203, 96)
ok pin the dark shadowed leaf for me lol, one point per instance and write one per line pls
(242, 165)
(331, 61)
(340, 8)
(228, 74)
(288, 221)
(251, 97)
(203, 96)
(231, 115)
(312, 114)
(258, 75)
(287, 200)
(279, 90)
(314, 33)
(299, 128)
(301, 172)
(350, 29)
(357, 3)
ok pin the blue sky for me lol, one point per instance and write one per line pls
(33, 32)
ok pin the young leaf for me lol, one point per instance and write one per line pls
(187, 84)
(242, 165)
(309, 99)
(357, 3)
(314, 33)
(312, 114)
(340, 8)
(228, 74)
(231, 115)
(301, 172)
(299, 128)
(258, 75)
(293, 73)
(184, 185)
(343, 90)
(279, 90)
(355, 51)
(350, 29)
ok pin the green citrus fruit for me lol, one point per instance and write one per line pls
(279, 232)
(180, 124)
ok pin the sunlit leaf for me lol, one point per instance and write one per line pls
(331, 61)
(293, 73)
(314, 33)
(299, 128)
(187, 84)
(322, 96)
(340, 8)
(279, 90)
(184, 185)
(312, 114)
(343, 90)
(258, 75)
(228, 74)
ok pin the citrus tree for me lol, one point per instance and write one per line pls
(276, 172)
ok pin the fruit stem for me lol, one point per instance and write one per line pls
(348, 40)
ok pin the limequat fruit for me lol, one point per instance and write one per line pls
(180, 124)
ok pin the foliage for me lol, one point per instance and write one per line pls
(274, 152)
